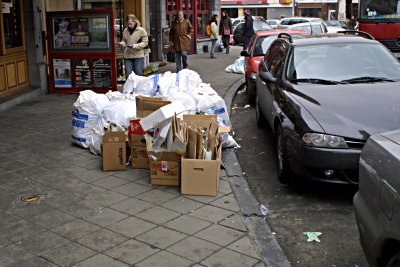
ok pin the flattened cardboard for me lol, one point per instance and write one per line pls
(203, 121)
(147, 105)
(200, 177)
(114, 151)
(164, 168)
(161, 115)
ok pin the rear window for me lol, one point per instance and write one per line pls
(262, 45)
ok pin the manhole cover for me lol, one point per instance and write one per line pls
(30, 199)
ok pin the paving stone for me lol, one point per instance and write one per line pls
(157, 197)
(14, 165)
(235, 221)
(171, 189)
(132, 174)
(102, 239)
(224, 187)
(101, 260)
(132, 206)
(131, 251)
(32, 172)
(187, 224)
(9, 177)
(227, 202)
(165, 259)
(25, 186)
(7, 219)
(226, 257)
(158, 215)
(146, 182)
(194, 249)
(76, 229)
(182, 205)
(219, 234)
(106, 217)
(92, 175)
(110, 182)
(205, 199)
(20, 230)
(106, 198)
(11, 254)
(52, 218)
(245, 246)
(7, 200)
(259, 264)
(211, 214)
(28, 211)
(39, 243)
(68, 254)
(132, 227)
(131, 189)
(35, 262)
(161, 237)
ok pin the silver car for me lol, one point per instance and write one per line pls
(377, 202)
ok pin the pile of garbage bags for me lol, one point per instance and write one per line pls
(237, 66)
(93, 113)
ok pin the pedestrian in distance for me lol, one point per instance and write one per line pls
(225, 30)
(180, 36)
(214, 34)
(134, 41)
(248, 30)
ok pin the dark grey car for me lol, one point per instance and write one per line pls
(377, 203)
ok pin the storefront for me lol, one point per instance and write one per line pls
(324, 9)
(13, 49)
(271, 9)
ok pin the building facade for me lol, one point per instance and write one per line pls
(269, 9)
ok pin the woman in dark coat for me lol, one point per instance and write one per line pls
(225, 30)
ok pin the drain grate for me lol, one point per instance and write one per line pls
(31, 199)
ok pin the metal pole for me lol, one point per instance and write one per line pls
(293, 11)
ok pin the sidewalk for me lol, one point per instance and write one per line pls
(58, 208)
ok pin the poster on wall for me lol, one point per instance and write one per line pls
(102, 73)
(62, 32)
(98, 33)
(62, 73)
(83, 78)
(80, 32)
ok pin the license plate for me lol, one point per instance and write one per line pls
(396, 55)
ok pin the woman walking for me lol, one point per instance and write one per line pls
(225, 30)
(214, 34)
(134, 40)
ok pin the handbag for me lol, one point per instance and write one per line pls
(227, 31)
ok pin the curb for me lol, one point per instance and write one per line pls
(269, 248)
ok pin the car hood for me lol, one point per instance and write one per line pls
(352, 110)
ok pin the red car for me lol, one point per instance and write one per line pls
(256, 50)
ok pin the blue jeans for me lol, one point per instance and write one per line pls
(213, 45)
(246, 41)
(181, 59)
(134, 64)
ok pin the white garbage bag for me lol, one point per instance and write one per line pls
(228, 141)
(132, 82)
(188, 80)
(96, 138)
(237, 66)
(187, 100)
(86, 114)
(121, 110)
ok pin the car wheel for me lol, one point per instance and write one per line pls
(251, 91)
(284, 172)
(394, 261)
(259, 115)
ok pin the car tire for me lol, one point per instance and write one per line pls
(251, 92)
(284, 173)
(259, 115)
(394, 261)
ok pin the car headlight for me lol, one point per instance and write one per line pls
(253, 75)
(324, 140)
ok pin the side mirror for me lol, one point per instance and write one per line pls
(245, 53)
(267, 77)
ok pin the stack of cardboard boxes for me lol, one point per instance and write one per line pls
(178, 152)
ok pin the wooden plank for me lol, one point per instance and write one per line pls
(11, 75)
(21, 71)
(2, 78)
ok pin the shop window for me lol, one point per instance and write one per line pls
(202, 16)
(12, 24)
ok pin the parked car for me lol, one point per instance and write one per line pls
(310, 27)
(257, 47)
(295, 20)
(323, 96)
(236, 21)
(377, 202)
(273, 23)
(337, 23)
(257, 26)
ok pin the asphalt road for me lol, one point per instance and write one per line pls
(312, 207)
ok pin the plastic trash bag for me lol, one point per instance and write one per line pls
(228, 141)
(96, 137)
(237, 66)
(132, 82)
(187, 100)
(121, 110)
(188, 80)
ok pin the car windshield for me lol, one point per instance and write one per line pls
(333, 23)
(262, 44)
(380, 9)
(236, 22)
(343, 62)
(261, 26)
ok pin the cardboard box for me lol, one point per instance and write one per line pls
(203, 121)
(114, 151)
(147, 105)
(161, 115)
(139, 158)
(164, 168)
(200, 177)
